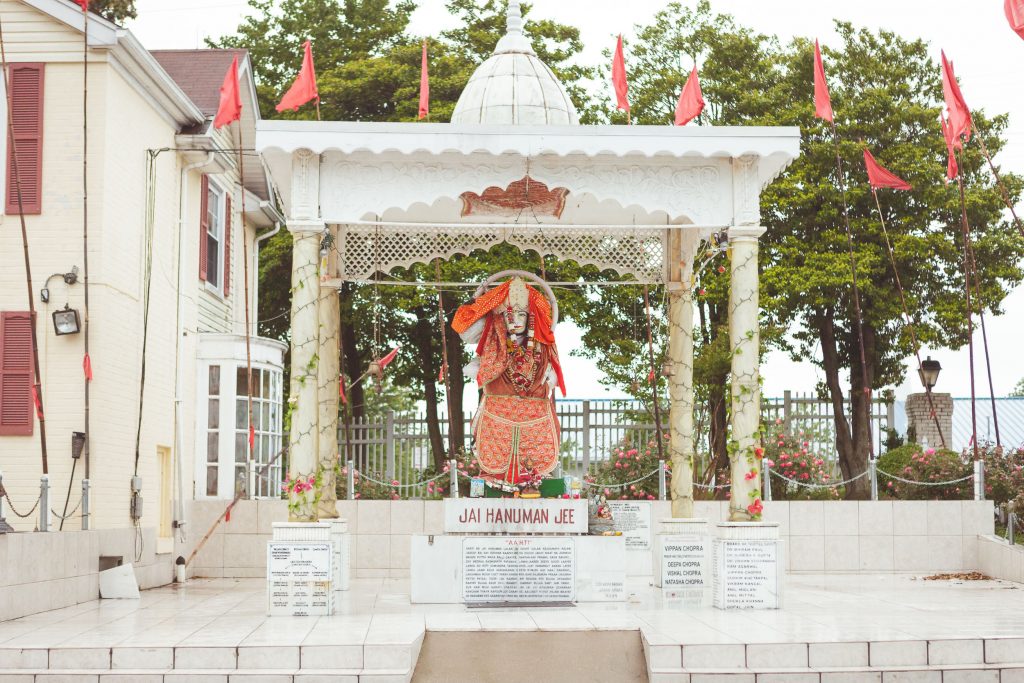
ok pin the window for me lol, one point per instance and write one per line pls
(26, 86)
(215, 237)
(16, 417)
(213, 431)
(266, 421)
(228, 465)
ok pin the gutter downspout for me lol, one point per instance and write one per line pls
(179, 513)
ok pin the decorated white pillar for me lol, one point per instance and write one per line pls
(328, 368)
(744, 342)
(680, 360)
(307, 231)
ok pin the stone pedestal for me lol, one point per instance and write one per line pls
(682, 564)
(920, 420)
(748, 566)
(307, 563)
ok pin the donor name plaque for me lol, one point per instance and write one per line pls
(299, 578)
(518, 570)
(514, 516)
(746, 574)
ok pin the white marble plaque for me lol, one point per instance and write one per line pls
(518, 570)
(299, 578)
(515, 516)
(746, 574)
(633, 519)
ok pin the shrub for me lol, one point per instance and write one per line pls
(1004, 476)
(626, 463)
(789, 456)
(928, 466)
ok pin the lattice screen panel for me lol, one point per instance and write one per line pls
(629, 251)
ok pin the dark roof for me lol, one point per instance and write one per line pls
(199, 73)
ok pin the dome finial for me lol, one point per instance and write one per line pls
(514, 17)
(514, 39)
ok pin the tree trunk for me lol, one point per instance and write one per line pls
(423, 337)
(455, 384)
(861, 410)
(351, 367)
(848, 462)
(718, 413)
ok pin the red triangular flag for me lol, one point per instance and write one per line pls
(424, 85)
(879, 176)
(952, 170)
(619, 78)
(822, 101)
(304, 88)
(87, 367)
(440, 374)
(84, 4)
(959, 114)
(1015, 15)
(691, 100)
(383, 362)
(252, 438)
(37, 402)
(230, 107)
(341, 390)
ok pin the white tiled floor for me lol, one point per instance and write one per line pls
(825, 608)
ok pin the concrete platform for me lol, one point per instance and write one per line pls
(833, 627)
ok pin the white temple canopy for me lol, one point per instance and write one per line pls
(615, 177)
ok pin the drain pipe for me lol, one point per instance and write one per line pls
(179, 513)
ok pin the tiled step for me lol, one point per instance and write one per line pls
(203, 676)
(664, 655)
(996, 673)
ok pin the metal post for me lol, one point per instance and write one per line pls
(979, 480)
(44, 503)
(586, 439)
(787, 410)
(1009, 525)
(350, 481)
(389, 445)
(1, 496)
(766, 481)
(873, 470)
(661, 480)
(85, 505)
(453, 475)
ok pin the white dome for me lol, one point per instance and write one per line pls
(514, 87)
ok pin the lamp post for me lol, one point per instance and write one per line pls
(929, 372)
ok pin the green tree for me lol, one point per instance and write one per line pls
(1018, 391)
(886, 94)
(114, 10)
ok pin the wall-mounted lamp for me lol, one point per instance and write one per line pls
(77, 444)
(65, 321)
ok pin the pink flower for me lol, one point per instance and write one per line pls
(756, 507)
(358, 495)
(650, 496)
(930, 451)
(394, 482)
(565, 495)
(618, 465)
(750, 475)
(632, 487)
(805, 476)
(607, 492)
(770, 463)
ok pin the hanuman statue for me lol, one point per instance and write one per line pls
(516, 427)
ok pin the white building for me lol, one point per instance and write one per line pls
(164, 217)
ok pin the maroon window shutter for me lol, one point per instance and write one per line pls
(227, 245)
(204, 204)
(16, 373)
(26, 110)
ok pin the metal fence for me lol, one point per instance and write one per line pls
(1008, 410)
(397, 446)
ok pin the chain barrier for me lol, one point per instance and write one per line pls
(594, 484)
(711, 487)
(70, 514)
(15, 510)
(925, 483)
(830, 485)
(368, 478)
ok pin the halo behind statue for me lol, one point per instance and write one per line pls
(493, 279)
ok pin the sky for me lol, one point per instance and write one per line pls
(975, 35)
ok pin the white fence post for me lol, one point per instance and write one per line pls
(766, 481)
(85, 505)
(44, 503)
(389, 445)
(873, 474)
(453, 478)
(979, 480)
(585, 426)
(662, 488)
(350, 480)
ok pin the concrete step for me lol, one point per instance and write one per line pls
(994, 673)
(204, 676)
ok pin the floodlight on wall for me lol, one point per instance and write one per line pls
(66, 321)
(77, 444)
(929, 372)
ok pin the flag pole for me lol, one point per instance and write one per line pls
(906, 316)
(969, 308)
(856, 290)
(999, 182)
(248, 353)
(37, 388)
(984, 342)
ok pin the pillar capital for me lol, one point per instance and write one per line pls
(299, 226)
(745, 233)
